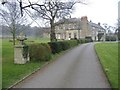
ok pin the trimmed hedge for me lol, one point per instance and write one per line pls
(25, 51)
(57, 47)
(88, 39)
(39, 52)
(110, 38)
(43, 51)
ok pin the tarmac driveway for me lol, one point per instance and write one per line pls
(78, 68)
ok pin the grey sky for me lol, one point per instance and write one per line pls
(119, 10)
(103, 11)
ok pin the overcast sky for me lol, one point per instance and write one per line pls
(104, 11)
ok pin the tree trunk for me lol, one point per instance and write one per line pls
(52, 34)
(118, 33)
(13, 38)
(14, 32)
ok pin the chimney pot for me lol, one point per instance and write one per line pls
(98, 23)
(84, 18)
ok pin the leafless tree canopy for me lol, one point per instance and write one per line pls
(11, 14)
(51, 10)
(118, 29)
(11, 17)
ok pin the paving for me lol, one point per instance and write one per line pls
(78, 68)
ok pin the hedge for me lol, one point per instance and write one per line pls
(110, 38)
(43, 51)
(86, 40)
(57, 47)
(39, 52)
(25, 51)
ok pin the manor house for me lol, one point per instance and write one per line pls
(78, 28)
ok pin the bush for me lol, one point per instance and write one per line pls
(88, 39)
(39, 52)
(83, 41)
(57, 47)
(73, 43)
(64, 45)
(25, 51)
(110, 38)
(80, 41)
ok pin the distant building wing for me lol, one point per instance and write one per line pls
(96, 26)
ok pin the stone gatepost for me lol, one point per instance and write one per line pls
(21, 55)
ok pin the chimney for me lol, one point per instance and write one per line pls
(99, 23)
(84, 18)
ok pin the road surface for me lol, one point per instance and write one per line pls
(78, 68)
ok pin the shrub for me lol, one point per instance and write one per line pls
(57, 47)
(25, 51)
(88, 39)
(64, 45)
(11, 40)
(80, 41)
(39, 52)
(83, 41)
(110, 38)
(73, 43)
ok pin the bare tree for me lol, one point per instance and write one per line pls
(118, 29)
(51, 10)
(11, 17)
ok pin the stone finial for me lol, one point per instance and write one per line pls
(21, 38)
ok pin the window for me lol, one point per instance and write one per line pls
(93, 28)
(69, 35)
(75, 35)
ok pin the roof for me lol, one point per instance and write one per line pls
(96, 25)
(71, 20)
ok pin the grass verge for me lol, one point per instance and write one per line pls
(37, 40)
(11, 72)
(0, 64)
(108, 55)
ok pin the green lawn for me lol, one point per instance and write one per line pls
(0, 64)
(37, 40)
(12, 72)
(108, 54)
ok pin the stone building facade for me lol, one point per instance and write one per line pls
(78, 28)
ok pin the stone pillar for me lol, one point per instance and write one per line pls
(21, 56)
(104, 38)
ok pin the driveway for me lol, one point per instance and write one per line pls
(78, 68)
